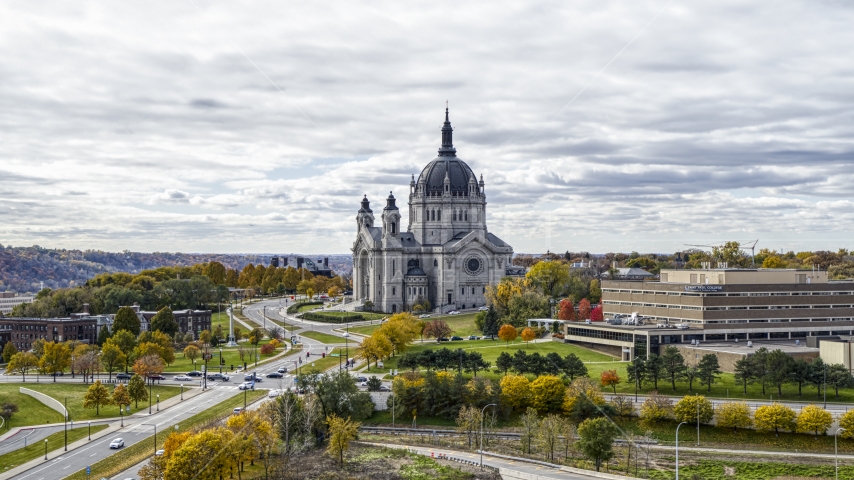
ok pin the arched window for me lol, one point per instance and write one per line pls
(393, 227)
(435, 263)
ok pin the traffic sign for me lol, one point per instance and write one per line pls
(88, 469)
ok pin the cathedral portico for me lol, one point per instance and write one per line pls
(446, 257)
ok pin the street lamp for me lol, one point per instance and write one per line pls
(347, 347)
(481, 431)
(182, 392)
(836, 449)
(677, 449)
(90, 431)
(150, 381)
(155, 442)
(122, 415)
(158, 402)
(45, 449)
(66, 424)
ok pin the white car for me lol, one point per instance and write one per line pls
(424, 316)
(117, 443)
(483, 309)
(182, 378)
(274, 393)
(245, 386)
(453, 312)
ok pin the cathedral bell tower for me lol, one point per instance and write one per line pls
(391, 218)
(365, 217)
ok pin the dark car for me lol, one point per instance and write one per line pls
(441, 339)
(58, 374)
(217, 376)
(249, 378)
(156, 377)
(195, 373)
(123, 376)
(274, 375)
(456, 338)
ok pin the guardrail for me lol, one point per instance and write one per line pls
(49, 401)
(454, 433)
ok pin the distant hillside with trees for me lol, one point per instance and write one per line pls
(23, 268)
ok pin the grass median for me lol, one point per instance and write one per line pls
(136, 453)
(325, 337)
(37, 450)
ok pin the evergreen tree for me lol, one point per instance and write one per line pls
(164, 321)
(654, 369)
(103, 335)
(491, 323)
(574, 367)
(708, 370)
(674, 364)
(744, 373)
(8, 351)
(504, 362)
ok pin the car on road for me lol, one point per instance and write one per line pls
(218, 376)
(58, 374)
(384, 388)
(442, 339)
(245, 386)
(160, 452)
(182, 378)
(282, 370)
(195, 373)
(237, 411)
(456, 338)
(474, 337)
(123, 376)
(483, 309)
(249, 378)
(118, 443)
(274, 393)
(453, 312)
(424, 316)
(360, 379)
(274, 375)
(156, 377)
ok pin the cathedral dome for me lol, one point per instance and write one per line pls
(446, 165)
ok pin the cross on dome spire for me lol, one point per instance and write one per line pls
(447, 149)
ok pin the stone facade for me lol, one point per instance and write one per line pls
(445, 257)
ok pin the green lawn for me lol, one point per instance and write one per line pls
(36, 450)
(75, 392)
(461, 325)
(136, 453)
(30, 410)
(230, 354)
(325, 337)
(490, 350)
(321, 364)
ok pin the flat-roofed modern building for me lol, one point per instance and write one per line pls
(10, 300)
(717, 305)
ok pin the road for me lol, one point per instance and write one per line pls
(28, 436)
(137, 427)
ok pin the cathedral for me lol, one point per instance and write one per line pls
(446, 257)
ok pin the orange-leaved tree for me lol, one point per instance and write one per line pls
(507, 333)
(609, 378)
(567, 310)
(584, 309)
(528, 334)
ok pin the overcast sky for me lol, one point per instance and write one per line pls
(602, 126)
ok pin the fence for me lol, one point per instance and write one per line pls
(49, 401)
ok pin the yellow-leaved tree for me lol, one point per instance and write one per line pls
(774, 417)
(814, 419)
(547, 393)
(690, 407)
(733, 415)
(401, 329)
(341, 433)
(121, 396)
(375, 347)
(847, 422)
(656, 407)
(528, 334)
(95, 396)
(202, 457)
(516, 391)
(585, 390)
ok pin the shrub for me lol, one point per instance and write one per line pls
(691, 406)
(656, 407)
(735, 415)
(547, 393)
(295, 307)
(328, 318)
(774, 417)
(267, 349)
(814, 419)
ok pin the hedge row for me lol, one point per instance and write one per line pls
(324, 317)
(295, 307)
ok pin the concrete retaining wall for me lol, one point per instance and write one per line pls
(49, 401)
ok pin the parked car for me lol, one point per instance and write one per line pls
(195, 373)
(456, 338)
(441, 339)
(160, 452)
(123, 376)
(474, 337)
(424, 316)
(483, 309)
(58, 374)
(182, 378)
(360, 379)
(384, 388)
(118, 443)
(274, 375)
(274, 393)
(453, 312)
(245, 386)
(380, 364)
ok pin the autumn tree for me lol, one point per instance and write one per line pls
(112, 357)
(656, 407)
(192, 352)
(9, 350)
(22, 362)
(566, 310)
(596, 314)
(847, 422)
(547, 393)
(341, 433)
(375, 347)
(56, 358)
(515, 391)
(774, 417)
(148, 365)
(609, 378)
(528, 334)
(121, 396)
(551, 277)
(96, 396)
(691, 407)
(507, 333)
(584, 309)
(734, 415)
(813, 419)
(623, 405)
(437, 329)
(468, 422)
